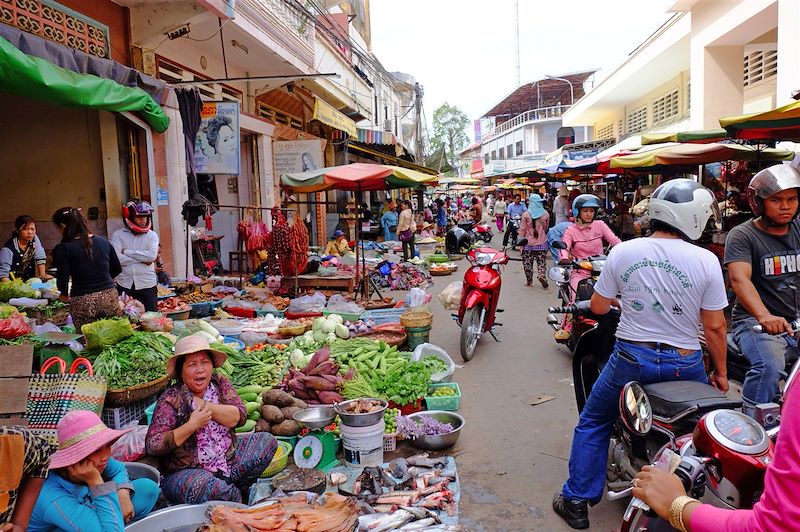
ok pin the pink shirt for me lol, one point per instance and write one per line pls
(587, 240)
(779, 506)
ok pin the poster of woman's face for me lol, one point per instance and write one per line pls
(217, 144)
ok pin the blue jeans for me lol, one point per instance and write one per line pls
(628, 362)
(767, 355)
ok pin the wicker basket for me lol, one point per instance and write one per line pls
(440, 273)
(126, 396)
(416, 319)
(390, 337)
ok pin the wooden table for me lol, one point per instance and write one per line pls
(336, 282)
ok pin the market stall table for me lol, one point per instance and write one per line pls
(317, 281)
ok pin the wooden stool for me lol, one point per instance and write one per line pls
(240, 260)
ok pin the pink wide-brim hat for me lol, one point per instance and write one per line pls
(193, 344)
(80, 433)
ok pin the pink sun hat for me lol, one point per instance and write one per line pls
(80, 433)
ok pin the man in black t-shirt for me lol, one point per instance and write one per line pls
(763, 260)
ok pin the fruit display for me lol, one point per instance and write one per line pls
(389, 419)
(170, 305)
(443, 391)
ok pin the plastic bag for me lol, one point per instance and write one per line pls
(310, 303)
(103, 333)
(14, 326)
(450, 297)
(415, 297)
(251, 338)
(339, 303)
(132, 308)
(130, 447)
(426, 350)
(156, 322)
(16, 288)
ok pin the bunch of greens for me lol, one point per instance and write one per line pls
(357, 387)
(24, 339)
(138, 359)
(104, 333)
(434, 364)
(404, 385)
(264, 367)
(6, 311)
(16, 288)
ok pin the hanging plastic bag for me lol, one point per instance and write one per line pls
(415, 297)
(426, 350)
(450, 297)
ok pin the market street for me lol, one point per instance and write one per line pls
(512, 456)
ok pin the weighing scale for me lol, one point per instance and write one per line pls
(318, 447)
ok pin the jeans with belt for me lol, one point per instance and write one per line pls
(628, 362)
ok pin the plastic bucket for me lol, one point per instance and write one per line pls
(363, 446)
(417, 336)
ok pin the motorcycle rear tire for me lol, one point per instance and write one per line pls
(470, 333)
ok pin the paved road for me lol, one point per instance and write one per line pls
(512, 456)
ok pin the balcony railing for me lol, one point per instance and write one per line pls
(282, 22)
(543, 113)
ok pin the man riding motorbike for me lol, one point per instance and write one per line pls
(514, 213)
(667, 287)
(583, 239)
(761, 256)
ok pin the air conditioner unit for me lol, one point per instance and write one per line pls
(387, 125)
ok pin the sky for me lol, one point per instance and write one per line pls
(463, 52)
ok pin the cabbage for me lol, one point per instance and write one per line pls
(320, 336)
(16, 288)
(328, 326)
(336, 318)
(342, 331)
(103, 333)
(298, 359)
(317, 325)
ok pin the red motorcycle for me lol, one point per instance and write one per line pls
(479, 297)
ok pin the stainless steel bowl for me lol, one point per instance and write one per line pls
(441, 441)
(315, 417)
(360, 420)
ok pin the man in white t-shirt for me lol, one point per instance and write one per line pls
(665, 287)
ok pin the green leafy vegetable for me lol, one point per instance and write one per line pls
(105, 333)
(16, 288)
(405, 385)
(138, 359)
(434, 364)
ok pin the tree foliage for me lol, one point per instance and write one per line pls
(449, 132)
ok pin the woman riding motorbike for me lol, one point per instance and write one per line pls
(584, 238)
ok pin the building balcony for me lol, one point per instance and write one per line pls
(287, 26)
(534, 115)
(525, 162)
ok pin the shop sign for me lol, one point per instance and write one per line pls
(216, 149)
(329, 115)
(297, 156)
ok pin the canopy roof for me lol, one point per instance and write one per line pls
(693, 154)
(356, 177)
(541, 93)
(782, 123)
(700, 136)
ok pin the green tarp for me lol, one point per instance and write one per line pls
(36, 78)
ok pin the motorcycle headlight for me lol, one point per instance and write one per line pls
(598, 265)
(483, 258)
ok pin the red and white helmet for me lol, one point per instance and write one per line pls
(137, 208)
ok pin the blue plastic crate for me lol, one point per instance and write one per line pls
(383, 315)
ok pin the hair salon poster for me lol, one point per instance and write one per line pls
(297, 156)
(216, 149)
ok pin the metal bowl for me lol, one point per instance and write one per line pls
(441, 441)
(315, 417)
(360, 420)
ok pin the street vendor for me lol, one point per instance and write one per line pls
(338, 247)
(426, 231)
(137, 248)
(192, 431)
(389, 221)
(86, 489)
(23, 254)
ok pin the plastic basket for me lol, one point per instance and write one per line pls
(390, 442)
(444, 402)
(149, 411)
(346, 316)
(383, 315)
(117, 418)
(417, 336)
(410, 408)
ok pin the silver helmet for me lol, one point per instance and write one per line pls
(770, 181)
(685, 206)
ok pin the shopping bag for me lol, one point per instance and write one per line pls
(51, 396)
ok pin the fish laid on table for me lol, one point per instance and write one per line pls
(383, 522)
(424, 460)
(419, 525)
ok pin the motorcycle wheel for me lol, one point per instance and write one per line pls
(470, 332)
(486, 237)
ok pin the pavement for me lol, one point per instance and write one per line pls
(512, 455)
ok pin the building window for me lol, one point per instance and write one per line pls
(510, 151)
(620, 130)
(605, 132)
(501, 153)
(637, 120)
(688, 96)
(759, 66)
(666, 107)
(486, 158)
(494, 155)
(519, 147)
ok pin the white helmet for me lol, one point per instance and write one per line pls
(685, 206)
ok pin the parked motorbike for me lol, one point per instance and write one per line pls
(480, 296)
(513, 227)
(464, 235)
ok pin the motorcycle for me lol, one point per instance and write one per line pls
(479, 297)
(465, 235)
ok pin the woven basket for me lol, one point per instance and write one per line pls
(441, 273)
(126, 396)
(416, 319)
(390, 337)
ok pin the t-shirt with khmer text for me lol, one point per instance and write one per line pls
(775, 261)
(663, 284)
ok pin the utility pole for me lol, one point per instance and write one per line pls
(418, 145)
(516, 29)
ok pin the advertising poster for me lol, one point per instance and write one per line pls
(216, 149)
(297, 156)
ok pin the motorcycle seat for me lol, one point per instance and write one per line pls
(466, 225)
(669, 399)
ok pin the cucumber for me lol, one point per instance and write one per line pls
(252, 388)
(255, 415)
(249, 397)
(249, 425)
(252, 407)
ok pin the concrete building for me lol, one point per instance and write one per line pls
(710, 59)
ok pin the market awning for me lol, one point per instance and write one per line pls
(356, 177)
(37, 78)
(396, 160)
(330, 116)
(699, 136)
(782, 123)
(694, 154)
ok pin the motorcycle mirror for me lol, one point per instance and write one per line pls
(557, 274)
(522, 242)
(635, 409)
(559, 244)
